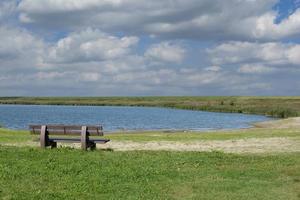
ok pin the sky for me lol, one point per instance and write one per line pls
(142, 48)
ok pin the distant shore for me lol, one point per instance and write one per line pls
(279, 107)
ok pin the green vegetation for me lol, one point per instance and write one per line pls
(32, 173)
(271, 106)
(66, 173)
(12, 136)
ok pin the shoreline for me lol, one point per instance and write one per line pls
(272, 106)
(291, 122)
(270, 123)
(274, 123)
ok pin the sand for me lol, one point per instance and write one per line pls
(293, 122)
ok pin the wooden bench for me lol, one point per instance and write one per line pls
(84, 131)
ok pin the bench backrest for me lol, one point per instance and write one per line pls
(66, 130)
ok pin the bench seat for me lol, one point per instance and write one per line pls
(74, 140)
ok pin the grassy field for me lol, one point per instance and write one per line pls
(272, 106)
(67, 173)
(31, 173)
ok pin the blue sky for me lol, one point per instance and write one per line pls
(139, 47)
(285, 8)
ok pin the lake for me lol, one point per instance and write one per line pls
(114, 118)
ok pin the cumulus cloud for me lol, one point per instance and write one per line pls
(17, 42)
(139, 47)
(206, 19)
(7, 8)
(265, 26)
(20, 51)
(213, 68)
(90, 45)
(255, 69)
(166, 51)
(243, 52)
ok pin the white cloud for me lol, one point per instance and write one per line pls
(293, 54)
(90, 45)
(65, 57)
(255, 69)
(166, 52)
(245, 52)
(19, 51)
(16, 42)
(90, 76)
(266, 27)
(213, 68)
(50, 6)
(205, 19)
(7, 8)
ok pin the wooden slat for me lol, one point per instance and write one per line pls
(78, 140)
(65, 140)
(100, 140)
(67, 130)
(70, 127)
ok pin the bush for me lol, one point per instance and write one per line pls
(282, 113)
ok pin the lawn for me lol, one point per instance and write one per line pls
(32, 173)
(65, 173)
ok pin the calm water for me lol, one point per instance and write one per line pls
(122, 118)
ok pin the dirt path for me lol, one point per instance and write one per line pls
(253, 145)
(231, 146)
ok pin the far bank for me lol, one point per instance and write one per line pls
(280, 107)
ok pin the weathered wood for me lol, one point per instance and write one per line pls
(61, 126)
(84, 132)
(84, 138)
(72, 140)
(67, 130)
(44, 137)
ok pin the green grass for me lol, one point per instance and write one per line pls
(13, 136)
(65, 173)
(271, 106)
(31, 173)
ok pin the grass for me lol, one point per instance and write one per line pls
(31, 173)
(271, 106)
(66, 173)
(13, 136)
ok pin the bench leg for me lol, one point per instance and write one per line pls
(44, 139)
(84, 138)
